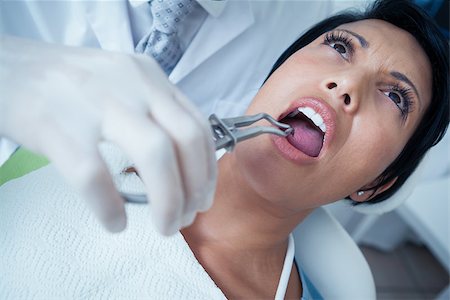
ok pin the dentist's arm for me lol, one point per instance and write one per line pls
(61, 101)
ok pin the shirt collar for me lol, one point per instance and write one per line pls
(212, 7)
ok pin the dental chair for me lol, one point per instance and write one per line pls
(331, 259)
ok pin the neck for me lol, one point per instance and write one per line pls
(240, 219)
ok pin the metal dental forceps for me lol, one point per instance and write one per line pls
(227, 133)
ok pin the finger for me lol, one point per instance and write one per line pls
(84, 169)
(188, 219)
(152, 152)
(192, 139)
(211, 162)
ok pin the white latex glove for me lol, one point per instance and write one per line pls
(61, 101)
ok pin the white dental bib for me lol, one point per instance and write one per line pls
(52, 247)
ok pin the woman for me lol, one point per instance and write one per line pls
(382, 94)
(367, 96)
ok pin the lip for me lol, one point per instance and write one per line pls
(328, 115)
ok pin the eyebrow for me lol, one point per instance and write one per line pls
(405, 79)
(364, 43)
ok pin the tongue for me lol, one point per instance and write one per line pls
(306, 138)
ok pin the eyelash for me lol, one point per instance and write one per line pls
(405, 98)
(342, 39)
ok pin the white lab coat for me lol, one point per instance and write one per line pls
(222, 68)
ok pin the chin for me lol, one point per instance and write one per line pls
(280, 181)
(265, 171)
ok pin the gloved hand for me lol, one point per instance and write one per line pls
(61, 101)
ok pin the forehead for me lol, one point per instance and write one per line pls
(394, 49)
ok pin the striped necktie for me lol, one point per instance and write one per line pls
(163, 43)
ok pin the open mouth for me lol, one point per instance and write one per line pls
(309, 130)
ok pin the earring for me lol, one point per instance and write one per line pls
(360, 193)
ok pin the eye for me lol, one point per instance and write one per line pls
(394, 96)
(340, 43)
(339, 48)
(401, 97)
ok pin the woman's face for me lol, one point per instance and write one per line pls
(369, 83)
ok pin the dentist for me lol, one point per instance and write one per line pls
(61, 97)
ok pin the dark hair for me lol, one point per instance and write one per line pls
(407, 16)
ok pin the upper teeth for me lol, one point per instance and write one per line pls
(312, 115)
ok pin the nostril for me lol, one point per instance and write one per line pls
(331, 85)
(131, 170)
(347, 99)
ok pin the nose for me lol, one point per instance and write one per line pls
(346, 93)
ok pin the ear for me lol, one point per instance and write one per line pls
(365, 194)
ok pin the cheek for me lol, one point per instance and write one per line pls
(375, 143)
